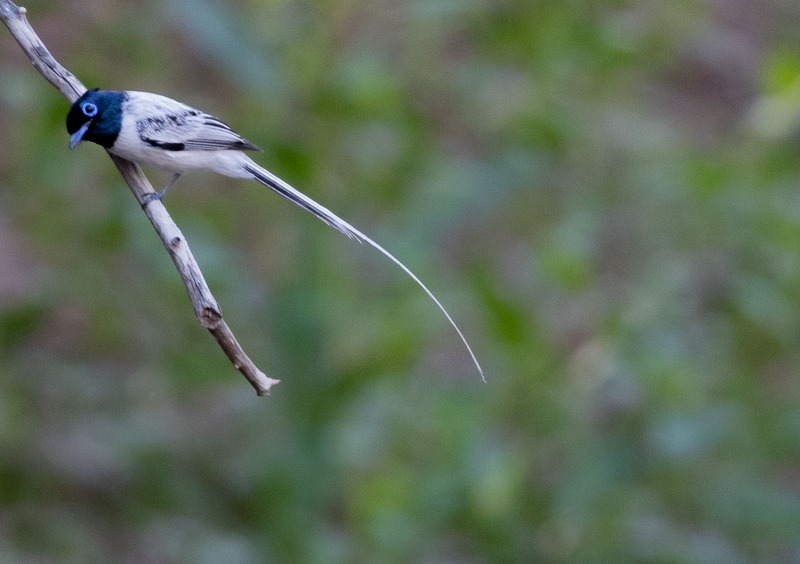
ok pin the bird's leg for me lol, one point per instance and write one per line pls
(147, 198)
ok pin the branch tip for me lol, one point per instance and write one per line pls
(265, 389)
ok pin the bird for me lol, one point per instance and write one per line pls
(157, 131)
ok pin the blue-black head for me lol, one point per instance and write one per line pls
(96, 116)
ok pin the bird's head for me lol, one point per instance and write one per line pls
(96, 116)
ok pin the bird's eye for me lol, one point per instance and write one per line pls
(89, 109)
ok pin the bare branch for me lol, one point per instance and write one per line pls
(205, 306)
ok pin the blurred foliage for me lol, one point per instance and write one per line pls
(606, 195)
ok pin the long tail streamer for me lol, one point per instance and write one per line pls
(276, 184)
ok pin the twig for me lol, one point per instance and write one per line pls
(205, 306)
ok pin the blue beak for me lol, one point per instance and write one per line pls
(76, 137)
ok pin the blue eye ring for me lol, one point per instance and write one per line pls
(89, 109)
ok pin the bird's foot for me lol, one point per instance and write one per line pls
(151, 196)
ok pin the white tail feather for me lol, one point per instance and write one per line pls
(276, 184)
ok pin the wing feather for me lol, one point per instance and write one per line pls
(173, 126)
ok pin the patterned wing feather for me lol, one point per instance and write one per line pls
(177, 127)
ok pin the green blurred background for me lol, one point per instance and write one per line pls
(606, 195)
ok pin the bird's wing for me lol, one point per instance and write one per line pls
(173, 126)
